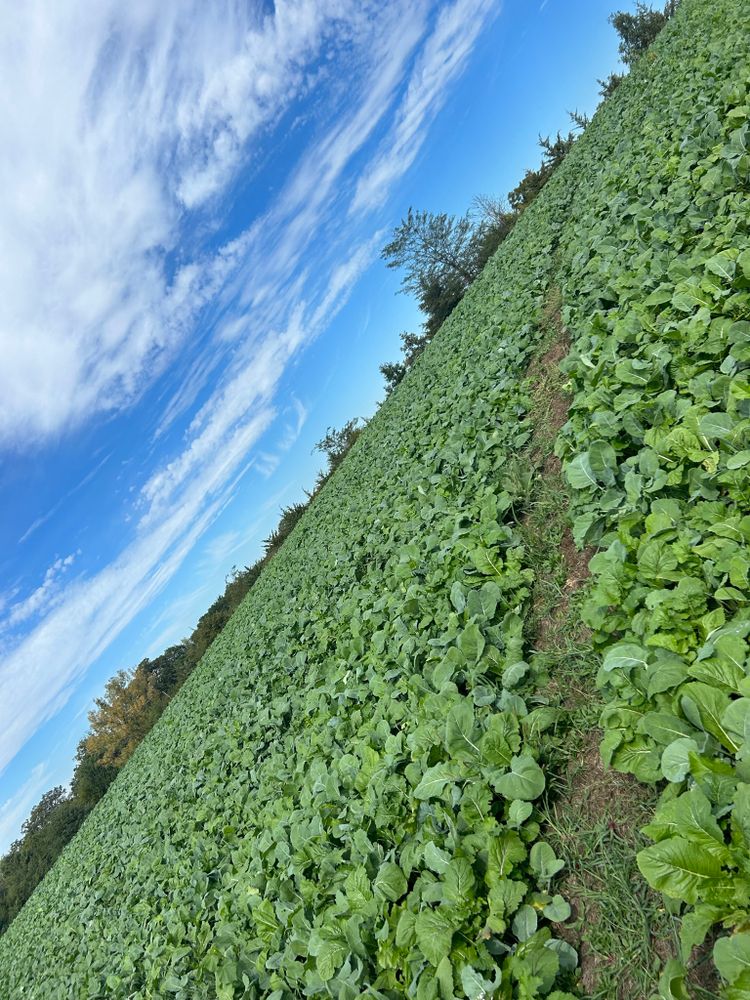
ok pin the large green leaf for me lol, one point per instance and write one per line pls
(504, 899)
(500, 741)
(524, 780)
(505, 852)
(579, 473)
(705, 706)
(471, 642)
(435, 858)
(741, 812)
(390, 881)
(483, 603)
(543, 861)
(736, 720)
(690, 816)
(664, 728)
(732, 956)
(434, 931)
(680, 869)
(675, 758)
(624, 656)
(458, 883)
(524, 923)
(460, 736)
(435, 779)
(330, 949)
(672, 982)
(638, 757)
(558, 910)
(475, 986)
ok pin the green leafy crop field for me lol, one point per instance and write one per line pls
(343, 799)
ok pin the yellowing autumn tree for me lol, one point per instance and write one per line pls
(131, 704)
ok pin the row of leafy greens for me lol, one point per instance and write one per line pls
(655, 272)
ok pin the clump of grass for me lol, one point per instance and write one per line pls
(591, 819)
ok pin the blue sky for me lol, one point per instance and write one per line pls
(193, 198)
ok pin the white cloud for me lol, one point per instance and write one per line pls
(43, 597)
(252, 381)
(216, 551)
(124, 118)
(37, 674)
(180, 616)
(267, 463)
(293, 428)
(312, 201)
(441, 60)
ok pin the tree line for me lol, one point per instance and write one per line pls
(440, 256)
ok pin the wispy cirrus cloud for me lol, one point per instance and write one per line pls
(125, 121)
(44, 596)
(442, 58)
(295, 422)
